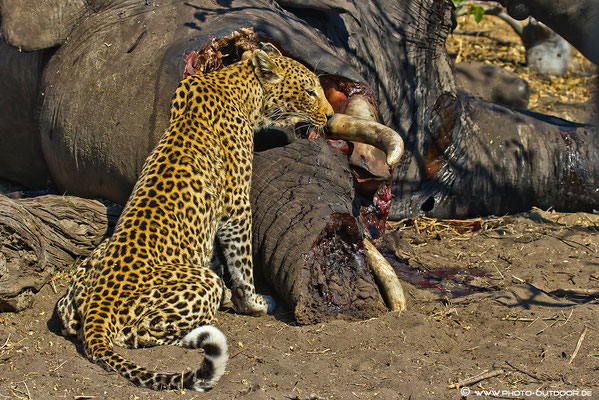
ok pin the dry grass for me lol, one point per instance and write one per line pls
(494, 42)
(455, 227)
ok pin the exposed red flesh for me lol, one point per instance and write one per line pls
(374, 216)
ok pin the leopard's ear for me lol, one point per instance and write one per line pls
(270, 49)
(265, 67)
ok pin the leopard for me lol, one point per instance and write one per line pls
(151, 283)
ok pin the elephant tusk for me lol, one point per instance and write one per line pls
(359, 107)
(364, 155)
(347, 127)
(386, 279)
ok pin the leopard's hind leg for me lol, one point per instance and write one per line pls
(67, 312)
(187, 297)
(68, 305)
(170, 304)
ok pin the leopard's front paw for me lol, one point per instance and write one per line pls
(248, 302)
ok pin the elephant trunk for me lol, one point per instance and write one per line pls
(307, 243)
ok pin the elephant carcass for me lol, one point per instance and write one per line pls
(107, 89)
(401, 54)
(102, 156)
(307, 242)
(492, 83)
(21, 159)
(576, 21)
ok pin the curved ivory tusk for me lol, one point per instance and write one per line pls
(364, 155)
(386, 278)
(347, 127)
(359, 107)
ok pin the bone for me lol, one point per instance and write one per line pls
(371, 159)
(365, 155)
(359, 107)
(356, 129)
(386, 279)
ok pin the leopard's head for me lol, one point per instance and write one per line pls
(292, 93)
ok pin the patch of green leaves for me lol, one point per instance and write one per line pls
(472, 9)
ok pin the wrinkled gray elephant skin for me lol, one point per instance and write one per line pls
(307, 241)
(469, 163)
(339, 6)
(107, 89)
(492, 83)
(21, 159)
(51, 22)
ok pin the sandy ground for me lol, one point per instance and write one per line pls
(478, 301)
(510, 323)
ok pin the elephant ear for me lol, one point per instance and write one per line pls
(36, 25)
(265, 68)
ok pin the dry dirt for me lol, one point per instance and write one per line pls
(511, 323)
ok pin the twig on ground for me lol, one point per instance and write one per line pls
(533, 376)
(500, 274)
(236, 354)
(547, 327)
(568, 319)
(181, 386)
(486, 374)
(578, 344)
(515, 337)
(20, 394)
(576, 292)
(28, 394)
(565, 241)
(533, 321)
(5, 343)
(61, 364)
(318, 351)
(525, 319)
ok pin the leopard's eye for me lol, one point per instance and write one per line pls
(311, 92)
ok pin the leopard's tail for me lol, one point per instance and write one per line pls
(203, 378)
